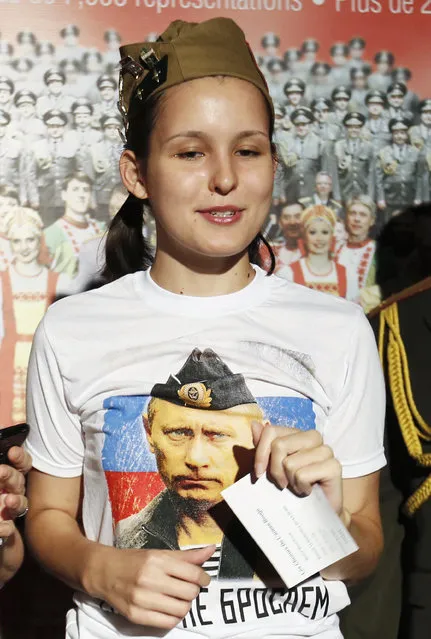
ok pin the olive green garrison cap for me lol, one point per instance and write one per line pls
(185, 51)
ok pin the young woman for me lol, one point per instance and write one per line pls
(27, 289)
(152, 393)
(317, 269)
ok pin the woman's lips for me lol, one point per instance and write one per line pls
(222, 214)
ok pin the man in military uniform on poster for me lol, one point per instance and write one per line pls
(326, 130)
(411, 99)
(294, 90)
(106, 101)
(303, 154)
(12, 160)
(340, 98)
(183, 415)
(399, 172)
(6, 54)
(395, 98)
(323, 195)
(105, 156)
(276, 78)
(318, 85)
(292, 60)
(309, 49)
(83, 136)
(420, 134)
(359, 86)
(354, 161)
(381, 78)
(26, 44)
(27, 125)
(339, 74)
(50, 161)
(70, 49)
(270, 43)
(7, 89)
(112, 39)
(281, 137)
(55, 96)
(376, 129)
(356, 47)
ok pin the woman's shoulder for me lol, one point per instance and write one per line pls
(310, 301)
(95, 305)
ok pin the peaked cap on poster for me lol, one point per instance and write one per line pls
(185, 51)
(205, 382)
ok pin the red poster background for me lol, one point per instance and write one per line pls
(401, 26)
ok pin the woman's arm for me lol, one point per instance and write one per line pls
(361, 515)
(149, 587)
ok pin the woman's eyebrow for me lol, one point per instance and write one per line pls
(202, 134)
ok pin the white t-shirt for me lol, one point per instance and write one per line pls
(307, 358)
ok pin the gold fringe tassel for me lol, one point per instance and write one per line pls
(413, 426)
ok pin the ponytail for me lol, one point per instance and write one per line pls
(126, 251)
(254, 252)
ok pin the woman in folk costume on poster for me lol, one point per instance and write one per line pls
(318, 269)
(27, 289)
(108, 430)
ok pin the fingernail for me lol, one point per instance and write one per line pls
(259, 469)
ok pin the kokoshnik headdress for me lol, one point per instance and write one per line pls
(185, 51)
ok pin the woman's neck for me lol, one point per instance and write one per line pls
(32, 269)
(319, 264)
(200, 279)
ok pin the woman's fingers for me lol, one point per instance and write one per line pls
(298, 459)
(14, 506)
(20, 459)
(11, 480)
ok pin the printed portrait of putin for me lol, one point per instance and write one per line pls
(198, 424)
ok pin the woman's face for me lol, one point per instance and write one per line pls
(318, 237)
(24, 243)
(209, 173)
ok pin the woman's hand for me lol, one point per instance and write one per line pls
(149, 587)
(298, 459)
(13, 504)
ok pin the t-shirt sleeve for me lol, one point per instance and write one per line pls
(55, 441)
(355, 425)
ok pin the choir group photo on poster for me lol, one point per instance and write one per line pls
(353, 144)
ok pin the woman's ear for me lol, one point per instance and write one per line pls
(131, 175)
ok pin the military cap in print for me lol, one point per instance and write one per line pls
(294, 85)
(6, 83)
(52, 75)
(402, 124)
(55, 117)
(24, 97)
(425, 105)
(270, 40)
(397, 88)
(375, 96)
(205, 382)
(341, 92)
(354, 119)
(302, 115)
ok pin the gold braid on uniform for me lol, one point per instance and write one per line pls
(413, 426)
